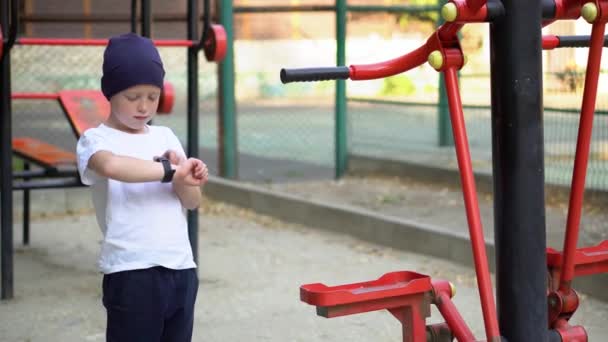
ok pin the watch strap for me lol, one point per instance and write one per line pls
(169, 172)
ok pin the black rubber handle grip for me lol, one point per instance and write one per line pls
(577, 41)
(315, 74)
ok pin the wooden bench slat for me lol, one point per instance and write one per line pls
(44, 154)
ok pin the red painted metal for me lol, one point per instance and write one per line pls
(95, 42)
(46, 155)
(34, 96)
(84, 109)
(582, 155)
(391, 67)
(587, 260)
(568, 9)
(451, 315)
(474, 5)
(471, 14)
(471, 205)
(448, 32)
(88, 108)
(216, 44)
(550, 42)
(392, 284)
(444, 37)
(571, 333)
(562, 306)
(406, 295)
(167, 99)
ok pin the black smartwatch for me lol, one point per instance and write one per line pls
(169, 172)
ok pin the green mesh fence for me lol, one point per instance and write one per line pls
(296, 122)
(409, 131)
(50, 69)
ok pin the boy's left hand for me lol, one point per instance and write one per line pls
(200, 170)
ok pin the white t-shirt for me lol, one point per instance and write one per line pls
(143, 224)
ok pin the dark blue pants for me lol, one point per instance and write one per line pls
(150, 305)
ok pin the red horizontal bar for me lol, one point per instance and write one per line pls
(35, 96)
(391, 67)
(95, 42)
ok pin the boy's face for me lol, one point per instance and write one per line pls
(134, 107)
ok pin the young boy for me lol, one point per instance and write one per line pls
(141, 182)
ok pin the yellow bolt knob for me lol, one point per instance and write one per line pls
(453, 288)
(449, 12)
(436, 59)
(589, 12)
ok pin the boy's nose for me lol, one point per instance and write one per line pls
(142, 106)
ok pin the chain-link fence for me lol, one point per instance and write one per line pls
(294, 124)
(50, 69)
(410, 131)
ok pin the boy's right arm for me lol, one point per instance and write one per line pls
(125, 169)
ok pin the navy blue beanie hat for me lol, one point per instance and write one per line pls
(130, 60)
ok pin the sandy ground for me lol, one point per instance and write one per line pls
(251, 268)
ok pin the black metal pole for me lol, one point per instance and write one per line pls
(192, 148)
(26, 208)
(134, 16)
(146, 18)
(6, 164)
(517, 153)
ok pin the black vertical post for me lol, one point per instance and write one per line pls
(134, 16)
(192, 148)
(26, 208)
(517, 150)
(146, 18)
(6, 164)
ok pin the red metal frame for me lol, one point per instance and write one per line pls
(88, 108)
(94, 42)
(582, 151)
(406, 295)
(471, 204)
(445, 41)
(442, 299)
(216, 44)
(563, 300)
(471, 11)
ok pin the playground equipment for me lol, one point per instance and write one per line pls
(53, 160)
(523, 262)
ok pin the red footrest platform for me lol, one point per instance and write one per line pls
(392, 290)
(587, 260)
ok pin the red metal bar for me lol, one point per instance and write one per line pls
(471, 13)
(34, 96)
(475, 4)
(452, 317)
(582, 154)
(95, 42)
(412, 316)
(446, 33)
(391, 67)
(550, 42)
(472, 206)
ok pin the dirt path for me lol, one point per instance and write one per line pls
(251, 268)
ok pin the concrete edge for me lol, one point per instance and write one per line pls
(360, 164)
(367, 225)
